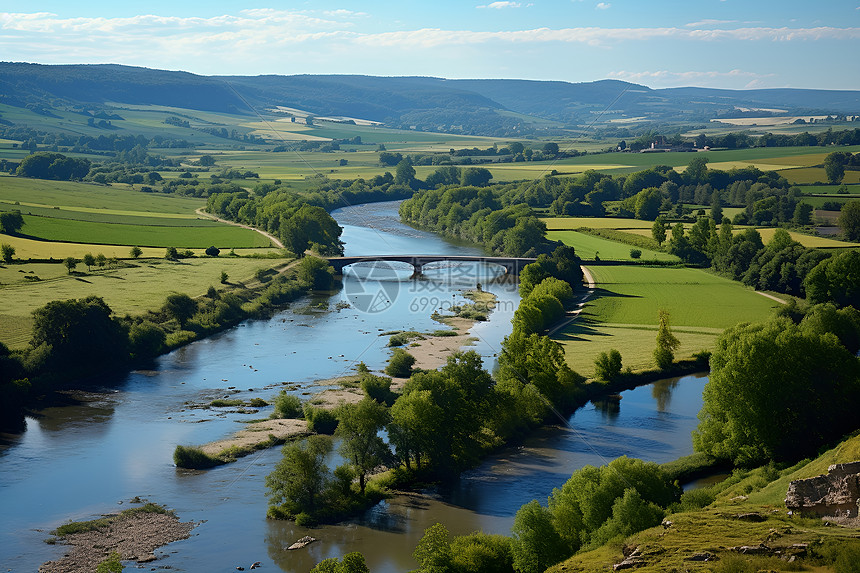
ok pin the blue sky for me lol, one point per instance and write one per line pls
(714, 43)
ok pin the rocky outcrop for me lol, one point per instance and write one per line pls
(835, 494)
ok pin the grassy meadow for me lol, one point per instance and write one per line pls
(622, 313)
(588, 247)
(133, 288)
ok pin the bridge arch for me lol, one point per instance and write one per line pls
(512, 265)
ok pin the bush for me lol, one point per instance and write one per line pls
(213, 251)
(320, 420)
(378, 388)
(191, 457)
(287, 406)
(697, 498)
(635, 254)
(258, 403)
(400, 364)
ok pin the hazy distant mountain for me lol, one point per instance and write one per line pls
(468, 106)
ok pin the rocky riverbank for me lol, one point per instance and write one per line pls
(134, 535)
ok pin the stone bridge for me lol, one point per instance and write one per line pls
(512, 265)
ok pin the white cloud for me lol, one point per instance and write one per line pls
(501, 5)
(709, 22)
(602, 6)
(662, 78)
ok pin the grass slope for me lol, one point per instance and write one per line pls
(623, 313)
(715, 529)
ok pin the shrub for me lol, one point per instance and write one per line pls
(378, 388)
(635, 254)
(224, 277)
(194, 458)
(697, 498)
(171, 254)
(320, 420)
(258, 403)
(400, 364)
(287, 406)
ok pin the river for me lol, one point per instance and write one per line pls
(77, 462)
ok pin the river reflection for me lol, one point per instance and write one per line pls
(77, 462)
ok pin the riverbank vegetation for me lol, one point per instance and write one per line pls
(74, 340)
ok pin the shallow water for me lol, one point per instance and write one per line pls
(76, 462)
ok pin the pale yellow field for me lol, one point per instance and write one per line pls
(763, 165)
(808, 240)
(772, 120)
(565, 223)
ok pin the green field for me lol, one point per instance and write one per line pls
(138, 287)
(114, 199)
(623, 313)
(222, 236)
(828, 189)
(588, 246)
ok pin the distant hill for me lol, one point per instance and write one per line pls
(486, 107)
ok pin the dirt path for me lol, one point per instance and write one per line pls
(269, 236)
(571, 315)
(770, 296)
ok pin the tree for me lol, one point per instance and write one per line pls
(404, 173)
(551, 149)
(414, 419)
(475, 176)
(89, 260)
(179, 306)
(79, 334)
(316, 273)
(607, 366)
(171, 254)
(213, 251)
(7, 252)
(400, 364)
(664, 354)
(301, 476)
(224, 277)
(834, 166)
(716, 207)
(433, 552)
(135, 252)
(71, 263)
(777, 391)
(658, 231)
(536, 545)
(538, 360)
(351, 563)
(358, 427)
(206, 161)
(849, 220)
(647, 204)
(697, 170)
(835, 280)
(11, 222)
